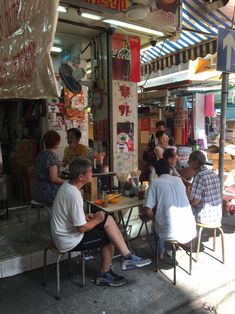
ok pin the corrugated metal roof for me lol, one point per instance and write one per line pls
(198, 26)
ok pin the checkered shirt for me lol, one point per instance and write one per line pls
(206, 188)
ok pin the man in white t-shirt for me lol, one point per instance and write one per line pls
(73, 230)
(167, 204)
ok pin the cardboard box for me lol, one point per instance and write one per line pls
(90, 190)
(215, 156)
(229, 164)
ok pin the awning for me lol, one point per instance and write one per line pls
(197, 39)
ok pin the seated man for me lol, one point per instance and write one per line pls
(73, 230)
(205, 196)
(167, 204)
(75, 148)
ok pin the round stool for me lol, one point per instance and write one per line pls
(214, 228)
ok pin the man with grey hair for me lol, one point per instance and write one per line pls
(205, 196)
(73, 230)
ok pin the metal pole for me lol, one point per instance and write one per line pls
(224, 102)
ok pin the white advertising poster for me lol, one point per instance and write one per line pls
(27, 29)
(199, 125)
(125, 126)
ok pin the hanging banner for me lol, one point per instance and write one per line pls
(27, 29)
(125, 58)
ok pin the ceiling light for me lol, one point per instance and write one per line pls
(62, 9)
(56, 49)
(91, 16)
(134, 27)
(204, 88)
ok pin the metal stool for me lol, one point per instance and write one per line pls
(54, 249)
(214, 227)
(3, 194)
(34, 205)
(173, 243)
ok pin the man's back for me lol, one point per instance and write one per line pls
(173, 219)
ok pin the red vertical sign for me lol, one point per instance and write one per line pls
(126, 58)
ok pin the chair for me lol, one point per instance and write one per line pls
(34, 205)
(54, 249)
(173, 244)
(3, 193)
(214, 227)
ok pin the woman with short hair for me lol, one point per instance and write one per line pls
(48, 178)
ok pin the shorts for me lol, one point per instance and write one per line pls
(94, 238)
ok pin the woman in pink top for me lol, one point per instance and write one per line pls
(162, 139)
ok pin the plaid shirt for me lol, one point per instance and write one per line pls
(206, 188)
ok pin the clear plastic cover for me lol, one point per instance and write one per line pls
(27, 30)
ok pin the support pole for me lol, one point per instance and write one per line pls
(224, 102)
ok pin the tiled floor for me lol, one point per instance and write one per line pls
(16, 253)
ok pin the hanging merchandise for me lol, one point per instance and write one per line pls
(209, 105)
(181, 121)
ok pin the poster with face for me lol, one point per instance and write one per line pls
(125, 137)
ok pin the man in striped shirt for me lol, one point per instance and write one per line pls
(205, 196)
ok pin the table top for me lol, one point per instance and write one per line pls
(125, 203)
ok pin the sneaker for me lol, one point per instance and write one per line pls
(134, 262)
(167, 259)
(110, 279)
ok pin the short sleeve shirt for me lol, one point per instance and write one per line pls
(67, 214)
(206, 188)
(70, 152)
(174, 219)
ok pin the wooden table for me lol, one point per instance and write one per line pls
(126, 203)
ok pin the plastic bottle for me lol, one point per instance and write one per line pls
(99, 187)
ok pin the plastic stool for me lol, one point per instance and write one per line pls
(214, 227)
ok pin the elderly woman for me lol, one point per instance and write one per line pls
(48, 178)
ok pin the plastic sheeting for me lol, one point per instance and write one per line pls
(27, 30)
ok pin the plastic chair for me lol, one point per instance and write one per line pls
(34, 205)
(173, 244)
(3, 193)
(214, 227)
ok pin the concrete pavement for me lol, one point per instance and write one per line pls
(210, 289)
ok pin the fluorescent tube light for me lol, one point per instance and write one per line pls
(56, 49)
(62, 9)
(91, 16)
(134, 27)
(204, 88)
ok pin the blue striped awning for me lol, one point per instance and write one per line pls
(197, 39)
